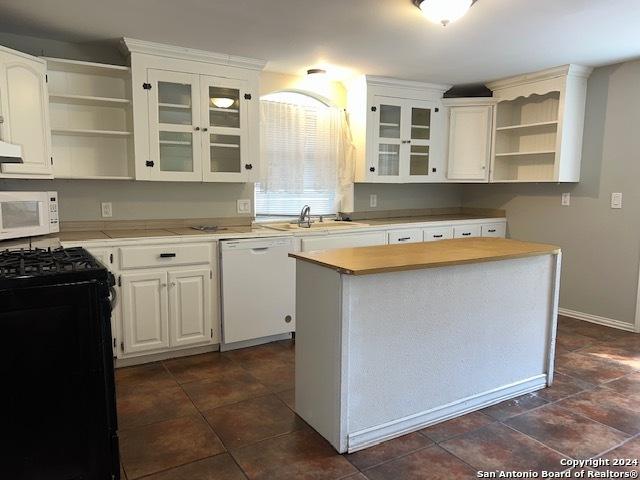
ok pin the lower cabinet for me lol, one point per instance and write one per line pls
(433, 234)
(327, 242)
(467, 231)
(166, 309)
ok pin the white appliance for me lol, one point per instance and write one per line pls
(28, 214)
(258, 289)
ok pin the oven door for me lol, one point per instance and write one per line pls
(23, 214)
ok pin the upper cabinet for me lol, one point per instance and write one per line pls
(538, 126)
(195, 114)
(24, 114)
(398, 130)
(470, 122)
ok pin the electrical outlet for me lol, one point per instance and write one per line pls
(373, 200)
(616, 200)
(244, 205)
(566, 199)
(107, 210)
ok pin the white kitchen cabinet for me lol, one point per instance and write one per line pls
(398, 130)
(195, 114)
(539, 125)
(412, 235)
(145, 311)
(467, 231)
(190, 306)
(327, 242)
(470, 134)
(497, 230)
(24, 113)
(433, 234)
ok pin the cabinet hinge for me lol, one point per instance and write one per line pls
(122, 346)
(437, 109)
(111, 258)
(119, 281)
(211, 274)
(149, 163)
(247, 96)
(46, 78)
(51, 160)
(146, 86)
(115, 342)
(211, 333)
(374, 109)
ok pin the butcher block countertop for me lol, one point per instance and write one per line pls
(413, 256)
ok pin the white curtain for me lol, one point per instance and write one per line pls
(304, 150)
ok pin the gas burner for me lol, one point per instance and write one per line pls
(40, 262)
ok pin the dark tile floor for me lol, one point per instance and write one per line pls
(229, 416)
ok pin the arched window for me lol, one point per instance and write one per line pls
(301, 145)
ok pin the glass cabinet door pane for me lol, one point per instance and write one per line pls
(390, 121)
(224, 107)
(420, 124)
(174, 103)
(176, 152)
(388, 159)
(225, 153)
(419, 160)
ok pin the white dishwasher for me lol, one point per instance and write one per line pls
(258, 289)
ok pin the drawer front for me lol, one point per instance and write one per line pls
(329, 242)
(164, 255)
(466, 231)
(405, 236)
(437, 233)
(498, 230)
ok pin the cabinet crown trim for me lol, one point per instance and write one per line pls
(409, 84)
(22, 54)
(132, 45)
(469, 101)
(561, 71)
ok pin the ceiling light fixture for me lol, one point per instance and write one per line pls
(444, 11)
(222, 102)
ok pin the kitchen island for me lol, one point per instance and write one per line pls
(391, 339)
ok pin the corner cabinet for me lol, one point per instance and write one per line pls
(195, 114)
(538, 126)
(398, 130)
(470, 127)
(24, 114)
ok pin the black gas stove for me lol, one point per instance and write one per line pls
(55, 306)
(40, 266)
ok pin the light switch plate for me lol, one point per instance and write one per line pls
(616, 200)
(107, 210)
(244, 205)
(566, 199)
(373, 200)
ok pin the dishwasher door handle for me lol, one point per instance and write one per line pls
(259, 250)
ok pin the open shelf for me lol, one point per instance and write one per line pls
(225, 145)
(89, 133)
(527, 126)
(225, 110)
(515, 154)
(88, 100)
(175, 105)
(87, 68)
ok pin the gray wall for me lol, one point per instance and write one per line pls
(601, 246)
(397, 197)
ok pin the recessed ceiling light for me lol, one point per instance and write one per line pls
(444, 11)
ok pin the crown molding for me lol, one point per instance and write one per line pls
(571, 70)
(469, 101)
(132, 45)
(418, 86)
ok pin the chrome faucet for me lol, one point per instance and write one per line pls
(304, 220)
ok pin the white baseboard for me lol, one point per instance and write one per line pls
(225, 347)
(396, 428)
(156, 357)
(608, 322)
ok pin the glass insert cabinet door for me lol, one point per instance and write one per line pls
(419, 140)
(174, 126)
(385, 160)
(225, 142)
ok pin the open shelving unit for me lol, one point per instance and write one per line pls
(526, 138)
(91, 120)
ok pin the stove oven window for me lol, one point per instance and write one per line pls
(20, 214)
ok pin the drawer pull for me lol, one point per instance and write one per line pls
(404, 239)
(492, 230)
(167, 255)
(466, 234)
(438, 236)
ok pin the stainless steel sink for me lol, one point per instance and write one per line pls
(284, 227)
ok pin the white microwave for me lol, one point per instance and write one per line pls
(28, 214)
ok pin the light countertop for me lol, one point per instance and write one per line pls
(413, 256)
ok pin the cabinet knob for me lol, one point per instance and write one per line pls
(205, 129)
(372, 169)
(197, 129)
(248, 166)
(288, 319)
